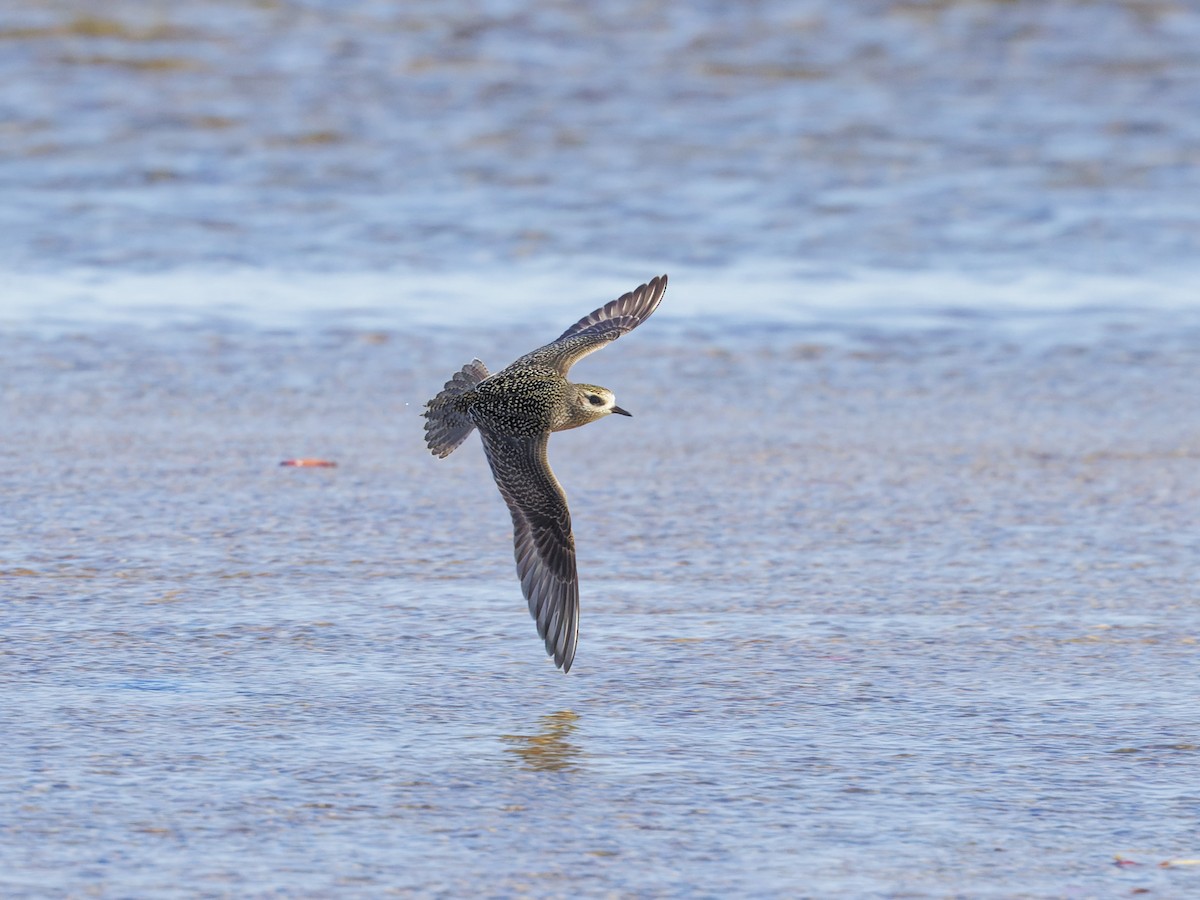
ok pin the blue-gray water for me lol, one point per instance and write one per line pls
(889, 586)
(881, 133)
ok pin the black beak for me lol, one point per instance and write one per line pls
(621, 412)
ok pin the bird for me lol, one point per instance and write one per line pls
(515, 411)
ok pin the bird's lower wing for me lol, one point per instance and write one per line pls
(600, 327)
(543, 544)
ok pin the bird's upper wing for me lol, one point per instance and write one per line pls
(593, 331)
(543, 544)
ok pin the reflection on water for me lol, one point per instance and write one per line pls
(550, 749)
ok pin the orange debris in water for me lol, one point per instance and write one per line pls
(306, 463)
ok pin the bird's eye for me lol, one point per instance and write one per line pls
(595, 400)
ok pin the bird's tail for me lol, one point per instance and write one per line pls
(446, 425)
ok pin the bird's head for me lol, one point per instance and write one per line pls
(594, 402)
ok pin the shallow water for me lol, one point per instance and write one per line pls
(889, 587)
(902, 613)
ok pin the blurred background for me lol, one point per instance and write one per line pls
(778, 140)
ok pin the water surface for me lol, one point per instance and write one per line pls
(888, 133)
(904, 612)
(889, 587)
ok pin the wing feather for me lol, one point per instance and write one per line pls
(543, 545)
(600, 327)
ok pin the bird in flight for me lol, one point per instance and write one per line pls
(515, 411)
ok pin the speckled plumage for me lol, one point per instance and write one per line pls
(515, 411)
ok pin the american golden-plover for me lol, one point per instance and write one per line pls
(515, 411)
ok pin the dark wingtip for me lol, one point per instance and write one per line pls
(565, 660)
